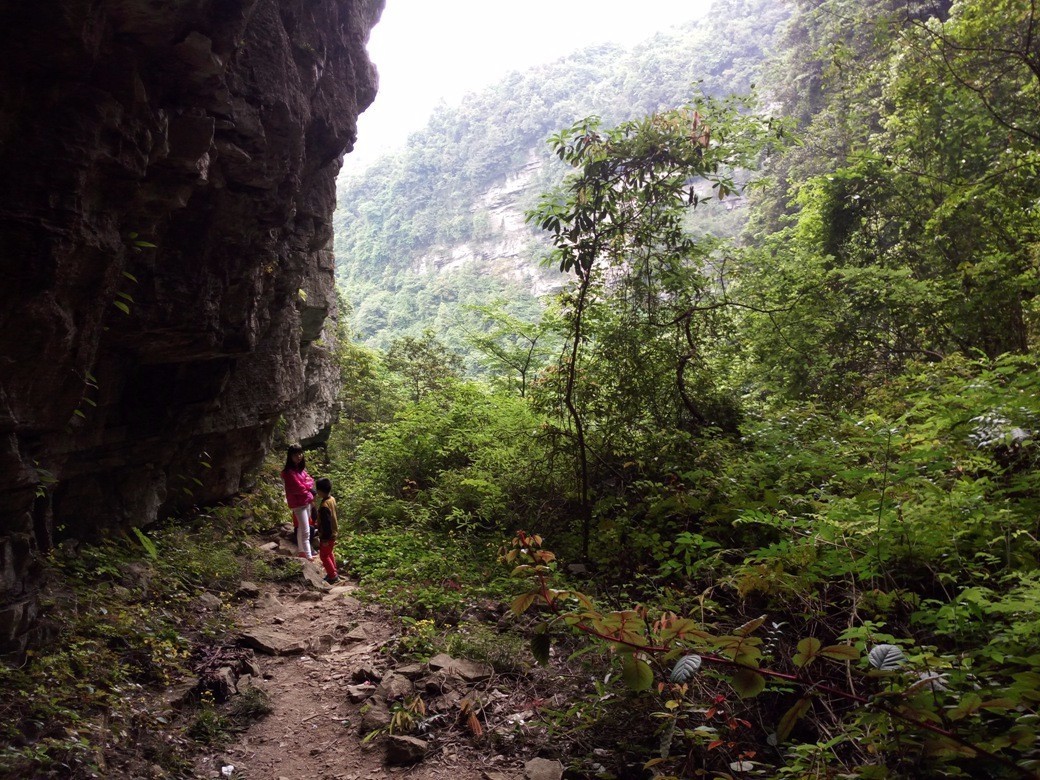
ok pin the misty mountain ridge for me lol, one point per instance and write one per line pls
(439, 226)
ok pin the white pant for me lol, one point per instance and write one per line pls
(303, 528)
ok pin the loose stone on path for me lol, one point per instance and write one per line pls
(271, 642)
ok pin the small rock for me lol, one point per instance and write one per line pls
(543, 769)
(271, 642)
(309, 595)
(269, 601)
(247, 590)
(210, 602)
(359, 634)
(470, 671)
(315, 576)
(446, 702)
(360, 693)
(411, 671)
(348, 602)
(480, 614)
(377, 716)
(441, 681)
(395, 686)
(441, 661)
(222, 683)
(179, 695)
(320, 644)
(251, 667)
(366, 673)
(270, 547)
(136, 575)
(404, 750)
(497, 776)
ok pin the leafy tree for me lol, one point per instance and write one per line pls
(426, 364)
(992, 49)
(617, 226)
(511, 345)
(920, 239)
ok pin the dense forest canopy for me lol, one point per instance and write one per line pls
(436, 202)
(827, 420)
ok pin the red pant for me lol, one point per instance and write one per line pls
(328, 558)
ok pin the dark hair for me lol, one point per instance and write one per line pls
(324, 485)
(289, 465)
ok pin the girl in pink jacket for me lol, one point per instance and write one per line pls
(299, 495)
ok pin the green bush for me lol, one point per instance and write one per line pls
(459, 459)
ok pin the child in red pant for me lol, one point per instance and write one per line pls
(328, 528)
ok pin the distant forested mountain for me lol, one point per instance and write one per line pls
(440, 226)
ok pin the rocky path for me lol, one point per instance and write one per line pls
(317, 656)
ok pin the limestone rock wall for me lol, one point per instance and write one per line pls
(167, 180)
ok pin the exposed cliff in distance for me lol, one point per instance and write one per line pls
(423, 233)
(165, 235)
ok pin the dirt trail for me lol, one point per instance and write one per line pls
(313, 732)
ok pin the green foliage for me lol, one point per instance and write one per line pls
(210, 725)
(509, 344)
(425, 364)
(913, 229)
(125, 622)
(423, 575)
(418, 639)
(399, 224)
(146, 543)
(213, 725)
(644, 304)
(477, 641)
(900, 697)
(460, 459)
(801, 471)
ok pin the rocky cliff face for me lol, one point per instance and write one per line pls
(508, 247)
(165, 240)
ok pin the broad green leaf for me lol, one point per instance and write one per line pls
(840, 652)
(636, 673)
(807, 651)
(540, 644)
(748, 683)
(522, 602)
(997, 704)
(783, 730)
(750, 626)
(684, 628)
(146, 543)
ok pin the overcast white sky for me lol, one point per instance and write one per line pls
(433, 50)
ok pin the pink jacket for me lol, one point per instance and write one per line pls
(299, 488)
